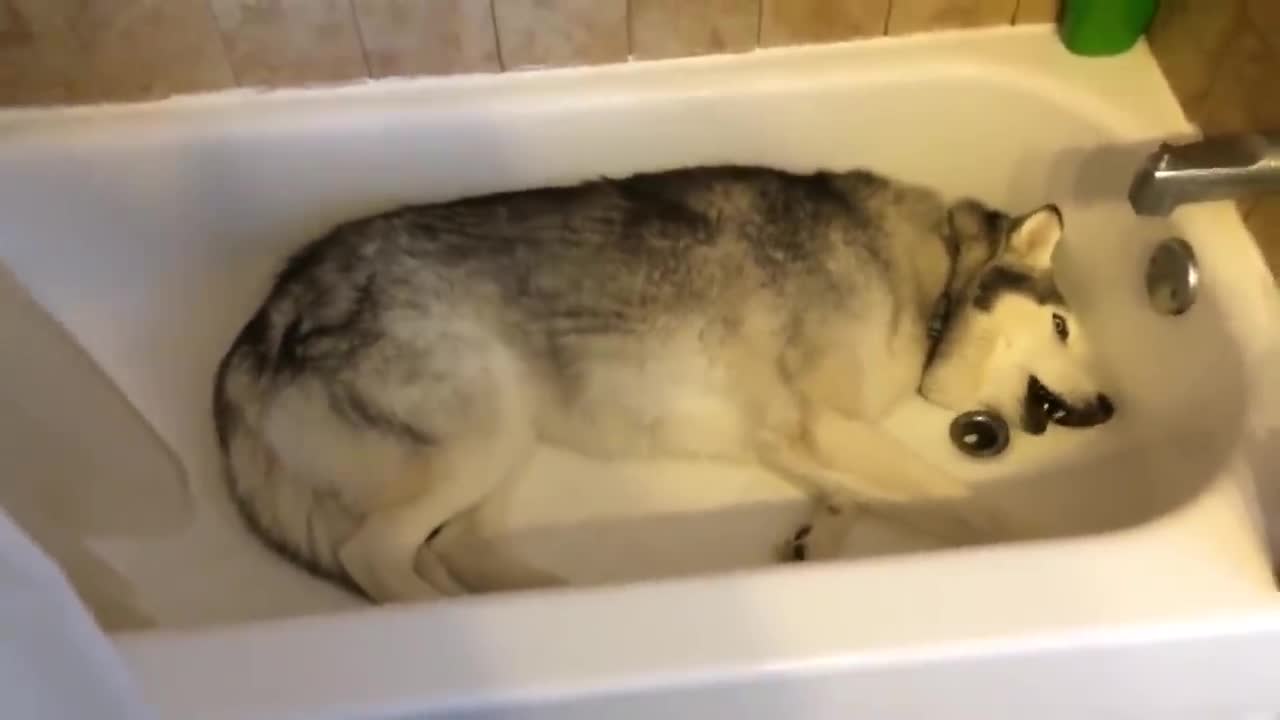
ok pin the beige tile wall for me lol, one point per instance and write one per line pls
(1222, 58)
(676, 28)
(427, 37)
(551, 33)
(791, 22)
(910, 16)
(77, 51)
(289, 42)
(64, 51)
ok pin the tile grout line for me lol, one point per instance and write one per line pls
(222, 43)
(359, 30)
(497, 37)
(1216, 75)
(627, 18)
(759, 23)
(1243, 21)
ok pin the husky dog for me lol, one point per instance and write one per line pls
(405, 365)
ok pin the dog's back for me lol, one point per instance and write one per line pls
(413, 359)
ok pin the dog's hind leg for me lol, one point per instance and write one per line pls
(482, 564)
(388, 555)
(472, 405)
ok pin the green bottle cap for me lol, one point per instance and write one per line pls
(1104, 27)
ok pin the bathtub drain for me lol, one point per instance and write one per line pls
(980, 433)
(1173, 277)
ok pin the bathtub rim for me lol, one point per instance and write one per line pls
(162, 658)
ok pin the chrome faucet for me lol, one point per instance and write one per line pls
(1215, 168)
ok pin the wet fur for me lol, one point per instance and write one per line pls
(404, 366)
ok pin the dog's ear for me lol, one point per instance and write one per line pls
(1033, 236)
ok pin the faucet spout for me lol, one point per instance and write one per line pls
(1215, 168)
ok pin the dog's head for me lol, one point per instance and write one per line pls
(1011, 343)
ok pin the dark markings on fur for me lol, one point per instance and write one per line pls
(332, 327)
(651, 202)
(249, 347)
(969, 223)
(951, 240)
(311, 541)
(852, 195)
(551, 266)
(995, 230)
(309, 259)
(223, 410)
(1000, 279)
(971, 219)
(642, 233)
(351, 406)
(809, 202)
(297, 556)
(253, 345)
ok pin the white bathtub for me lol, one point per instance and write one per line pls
(150, 232)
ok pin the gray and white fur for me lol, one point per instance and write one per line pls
(406, 365)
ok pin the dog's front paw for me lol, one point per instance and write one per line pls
(796, 547)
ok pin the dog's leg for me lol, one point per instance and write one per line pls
(827, 533)
(846, 461)
(389, 556)
(383, 555)
(855, 469)
(837, 497)
(484, 567)
(479, 430)
(790, 458)
(481, 553)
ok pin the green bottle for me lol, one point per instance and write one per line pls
(1104, 27)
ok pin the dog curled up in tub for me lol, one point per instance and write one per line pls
(404, 366)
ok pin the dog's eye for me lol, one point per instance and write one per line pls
(1060, 327)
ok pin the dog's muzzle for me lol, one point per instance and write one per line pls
(1043, 406)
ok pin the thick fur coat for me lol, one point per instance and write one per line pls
(405, 365)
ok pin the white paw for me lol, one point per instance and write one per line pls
(388, 571)
(384, 584)
(428, 566)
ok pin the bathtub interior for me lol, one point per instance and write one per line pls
(150, 234)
